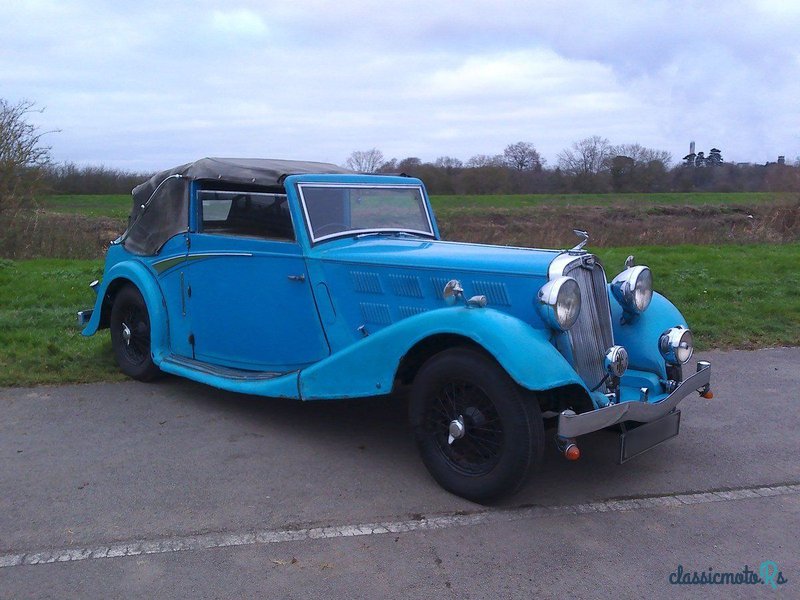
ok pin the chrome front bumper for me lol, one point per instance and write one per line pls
(571, 425)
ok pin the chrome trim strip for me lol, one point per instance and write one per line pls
(198, 255)
(167, 263)
(572, 425)
(314, 239)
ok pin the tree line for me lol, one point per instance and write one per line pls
(590, 165)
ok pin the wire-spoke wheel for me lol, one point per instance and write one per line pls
(466, 426)
(477, 432)
(130, 335)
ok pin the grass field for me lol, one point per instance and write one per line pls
(119, 206)
(39, 338)
(742, 296)
(665, 199)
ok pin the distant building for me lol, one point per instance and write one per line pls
(688, 160)
(713, 159)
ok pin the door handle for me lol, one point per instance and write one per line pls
(297, 277)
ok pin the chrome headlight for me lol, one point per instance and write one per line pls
(676, 345)
(560, 302)
(633, 289)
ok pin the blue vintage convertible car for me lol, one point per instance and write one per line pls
(304, 280)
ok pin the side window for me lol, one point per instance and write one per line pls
(247, 214)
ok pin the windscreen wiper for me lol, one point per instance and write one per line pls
(392, 233)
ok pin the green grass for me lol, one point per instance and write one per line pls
(40, 341)
(734, 296)
(118, 206)
(529, 200)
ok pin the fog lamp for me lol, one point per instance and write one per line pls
(676, 345)
(616, 361)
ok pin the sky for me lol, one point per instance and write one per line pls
(148, 85)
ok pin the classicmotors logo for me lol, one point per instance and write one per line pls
(768, 574)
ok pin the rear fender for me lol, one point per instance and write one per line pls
(134, 272)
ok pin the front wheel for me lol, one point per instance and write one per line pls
(130, 335)
(476, 431)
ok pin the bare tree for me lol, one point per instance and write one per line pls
(589, 156)
(22, 155)
(389, 166)
(448, 162)
(365, 161)
(635, 168)
(408, 165)
(522, 156)
(484, 160)
(641, 155)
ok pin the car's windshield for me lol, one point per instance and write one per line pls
(333, 210)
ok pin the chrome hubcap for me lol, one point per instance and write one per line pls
(126, 334)
(456, 429)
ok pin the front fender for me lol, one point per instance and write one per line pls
(138, 274)
(368, 367)
(640, 335)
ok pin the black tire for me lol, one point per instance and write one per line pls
(130, 335)
(503, 433)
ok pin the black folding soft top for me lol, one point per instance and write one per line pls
(167, 200)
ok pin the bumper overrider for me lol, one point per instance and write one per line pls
(571, 425)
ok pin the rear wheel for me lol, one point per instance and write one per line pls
(476, 431)
(130, 335)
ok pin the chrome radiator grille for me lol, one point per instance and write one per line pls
(592, 334)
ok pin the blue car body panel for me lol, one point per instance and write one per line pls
(376, 282)
(640, 334)
(122, 268)
(245, 311)
(525, 352)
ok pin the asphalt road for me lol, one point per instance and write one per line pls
(174, 489)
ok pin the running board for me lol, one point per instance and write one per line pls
(224, 372)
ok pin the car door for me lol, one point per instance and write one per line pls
(170, 267)
(248, 295)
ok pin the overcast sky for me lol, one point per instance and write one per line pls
(147, 84)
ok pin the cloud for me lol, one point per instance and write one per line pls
(154, 84)
(240, 21)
